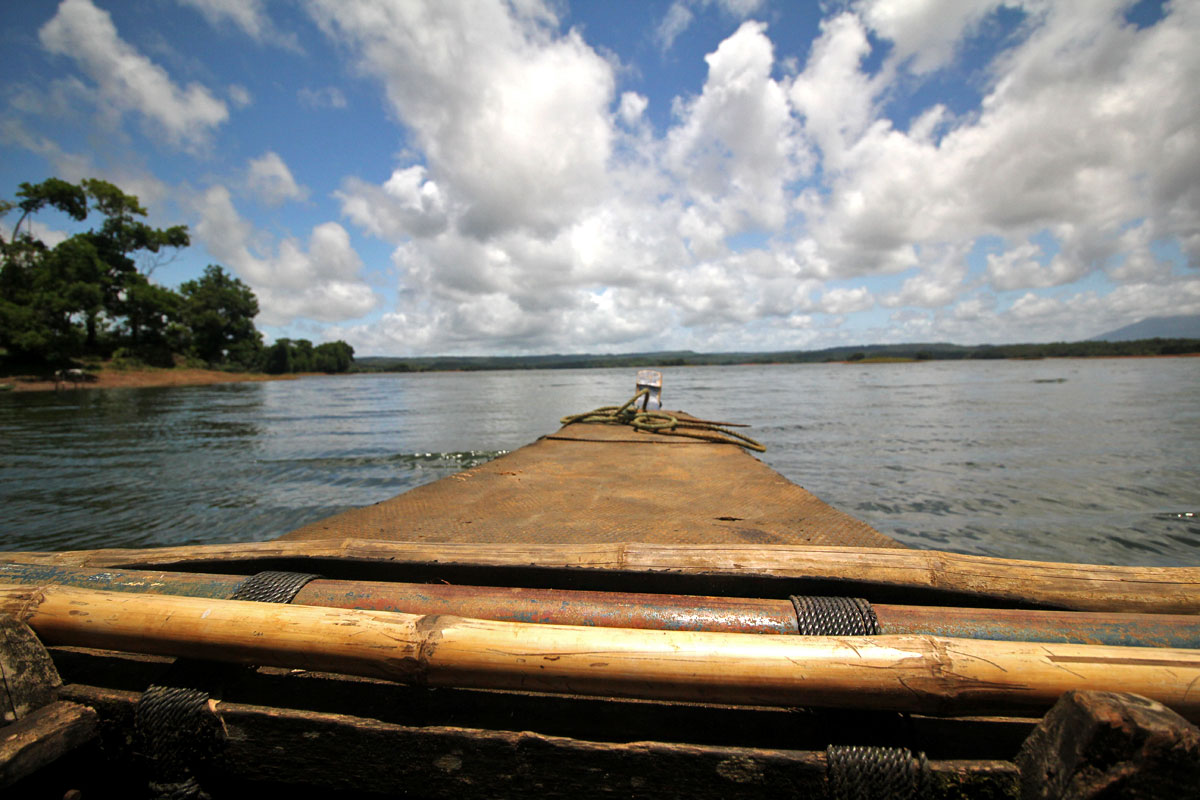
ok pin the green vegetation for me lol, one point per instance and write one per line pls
(86, 298)
(287, 355)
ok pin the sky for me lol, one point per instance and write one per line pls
(425, 177)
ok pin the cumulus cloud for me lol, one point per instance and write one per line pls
(1081, 134)
(513, 119)
(269, 178)
(925, 33)
(323, 282)
(737, 148)
(125, 80)
(407, 204)
(539, 209)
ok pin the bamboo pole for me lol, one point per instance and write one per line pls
(1079, 587)
(924, 674)
(643, 610)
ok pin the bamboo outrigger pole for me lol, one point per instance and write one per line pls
(1079, 587)
(643, 610)
(925, 674)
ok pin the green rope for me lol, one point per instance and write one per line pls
(662, 422)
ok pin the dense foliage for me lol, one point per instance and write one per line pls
(86, 298)
(299, 355)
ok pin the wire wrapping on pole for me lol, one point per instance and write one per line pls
(663, 422)
(873, 773)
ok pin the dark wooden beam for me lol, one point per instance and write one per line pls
(1094, 745)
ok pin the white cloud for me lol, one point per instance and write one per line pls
(240, 96)
(1030, 306)
(833, 95)
(323, 282)
(925, 31)
(845, 301)
(722, 230)
(249, 16)
(677, 20)
(737, 145)
(408, 204)
(939, 283)
(269, 178)
(125, 80)
(1082, 133)
(325, 97)
(512, 118)
(633, 105)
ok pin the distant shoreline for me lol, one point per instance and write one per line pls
(183, 376)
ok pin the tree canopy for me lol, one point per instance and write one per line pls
(86, 297)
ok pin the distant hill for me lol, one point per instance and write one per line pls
(1182, 327)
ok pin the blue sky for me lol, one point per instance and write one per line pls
(469, 176)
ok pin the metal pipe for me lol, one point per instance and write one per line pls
(651, 611)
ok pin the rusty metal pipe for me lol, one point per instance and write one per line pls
(655, 611)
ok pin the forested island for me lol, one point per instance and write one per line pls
(89, 300)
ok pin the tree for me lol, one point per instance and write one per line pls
(303, 358)
(279, 358)
(66, 197)
(152, 315)
(220, 310)
(58, 303)
(119, 236)
(333, 357)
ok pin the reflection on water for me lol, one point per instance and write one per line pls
(1071, 459)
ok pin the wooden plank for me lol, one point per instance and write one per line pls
(41, 737)
(603, 719)
(1095, 745)
(282, 747)
(923, 674)
(604, 483)
(1080, 587)
(28, 679)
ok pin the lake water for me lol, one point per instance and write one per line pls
(1079, 460)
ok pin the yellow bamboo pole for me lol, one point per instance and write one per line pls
(925, 674)
(1079, 587)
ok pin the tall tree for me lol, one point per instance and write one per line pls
(220, 310)
(88, 280)
(119, 237)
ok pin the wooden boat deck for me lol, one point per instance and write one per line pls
(593, 484)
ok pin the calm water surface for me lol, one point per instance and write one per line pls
(1095, 460)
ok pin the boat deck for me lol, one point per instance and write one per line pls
(595, 483)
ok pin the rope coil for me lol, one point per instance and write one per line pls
(272, 587)
(834, 616)
(856, 772)
(663, 422)
(178, 731)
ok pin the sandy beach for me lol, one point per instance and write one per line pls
(137, 379)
